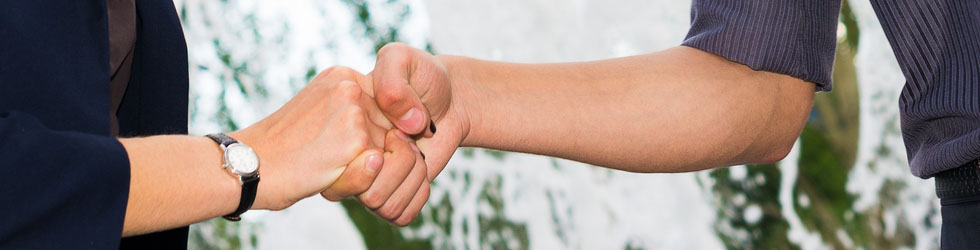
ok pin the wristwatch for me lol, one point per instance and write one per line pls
(242, 161)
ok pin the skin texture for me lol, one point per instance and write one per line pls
(676, 110)
(330, 139)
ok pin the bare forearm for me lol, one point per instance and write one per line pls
(176, 181)
(672, 111)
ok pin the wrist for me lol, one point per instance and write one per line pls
(229, 189)
(466, 95)
(250, 138)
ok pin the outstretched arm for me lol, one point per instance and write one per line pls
(328, 130)
(673, 111)
(677, 110)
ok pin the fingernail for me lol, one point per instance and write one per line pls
(374, 163)
(412, 119)
(432, 127)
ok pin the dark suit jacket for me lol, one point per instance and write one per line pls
(64, 182)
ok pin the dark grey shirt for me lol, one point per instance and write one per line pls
(936, 42)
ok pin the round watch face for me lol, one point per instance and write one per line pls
(241, 159)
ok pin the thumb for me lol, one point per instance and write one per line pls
(396, 98)
(358, 176)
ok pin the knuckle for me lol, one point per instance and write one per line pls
(356, 126)
(333, 72)
(357, 145)
(329, 195)
(360, 187)
(403, 152)
(392, 48)
(409, 156)
(388, 97)
(355, 112)
(409, 215)
(354, 115)
(324, 73)
(372, 200)
(341, 71)
(361, 143)
(349, 91)
(404, 221)
(389, 211)
(424, 191)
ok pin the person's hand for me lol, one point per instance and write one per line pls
(307, 144)
(396, 193)
(399, 191)
(415, 91)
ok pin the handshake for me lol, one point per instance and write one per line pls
(347, 134)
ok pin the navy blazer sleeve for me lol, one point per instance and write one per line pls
(796, 38)
(63, 180)
(59, 185)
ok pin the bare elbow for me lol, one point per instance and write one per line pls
(778, 153)
(789, 116)
(770, 148)
(776, 140)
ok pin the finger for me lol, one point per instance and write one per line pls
(379, 125)
(366, 82)
(437, 153)
(413, 209)
(374, 113)
(399, 101)
(377, 134)
(336, 74)
(396, 204)
(399, 162)
(358, 176)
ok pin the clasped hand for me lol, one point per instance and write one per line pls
(344, 135)
(332, 139)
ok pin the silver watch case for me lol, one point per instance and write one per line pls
(241, 160)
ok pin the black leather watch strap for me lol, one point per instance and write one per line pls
(222, 139)
(250, 186)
